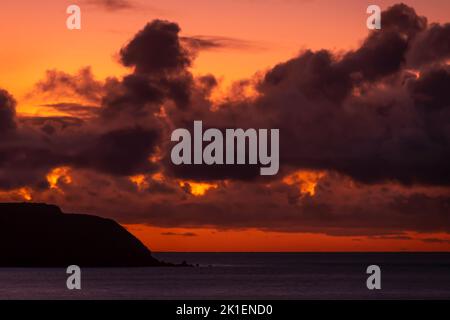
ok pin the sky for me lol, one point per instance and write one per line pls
(86, 116)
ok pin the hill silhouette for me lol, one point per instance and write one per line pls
(41, 235)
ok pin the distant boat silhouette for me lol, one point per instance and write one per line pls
(41, 235)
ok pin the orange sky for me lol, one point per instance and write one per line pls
(34, 38)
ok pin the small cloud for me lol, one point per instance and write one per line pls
(112, 5)
(185, 234)
(436, 240)
(80, 85)
(391, 237)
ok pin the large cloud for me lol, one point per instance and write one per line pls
(430, 46)
(367, 113)
(117, 140)
(339, 206)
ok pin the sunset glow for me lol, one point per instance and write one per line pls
(58, 175)
(139, 181)
(198, 189)
(306, 180)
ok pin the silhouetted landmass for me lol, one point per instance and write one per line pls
(41, 235)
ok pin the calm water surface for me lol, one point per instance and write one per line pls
(245, 276)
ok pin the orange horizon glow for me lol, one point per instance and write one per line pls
(251, 240)
(21, 194)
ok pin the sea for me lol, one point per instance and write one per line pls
(245, 276)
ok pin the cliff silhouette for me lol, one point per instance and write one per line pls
(41, 235)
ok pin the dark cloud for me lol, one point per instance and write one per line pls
(211, 173)
(358, 113)
(7, 112)
(383, 52)
(25, 163)
(335, 210)
(42, 143)
(138, 96)
(61, 84)
(61, 123)
(355, 114)
(313, 74)
(391, 237)
(204, 43)
(120, 152)
(135, 95)
(116, 138)
(380, 55)
(431, 46)
(207, 82)
(430, 91)
(160, 74)
(156, 49)
(403, 19)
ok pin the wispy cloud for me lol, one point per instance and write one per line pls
(184, 234)
(74, 109)
(391, 237)
(216, 42)
(113, 5)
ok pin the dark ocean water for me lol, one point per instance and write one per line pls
(246, 276)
